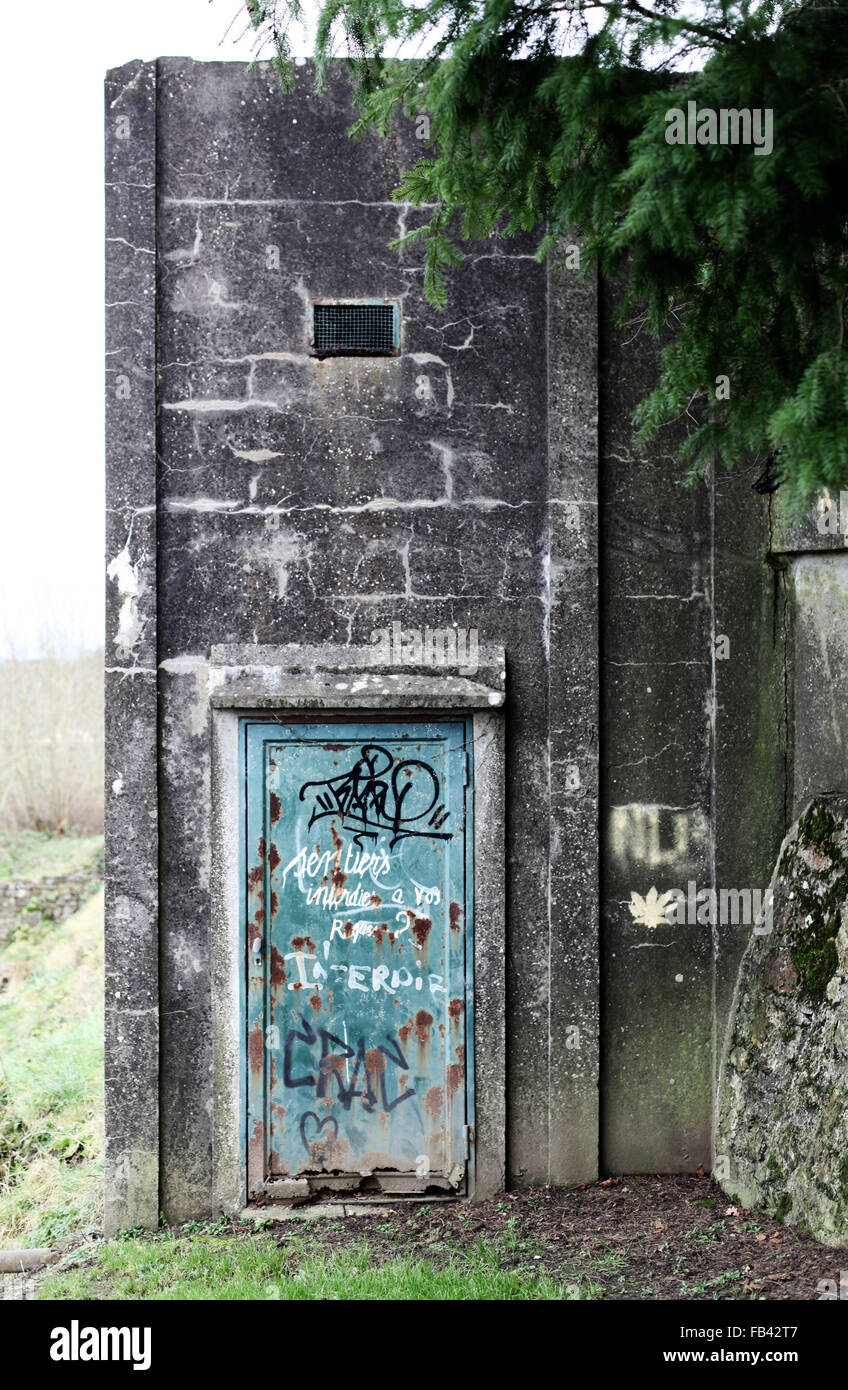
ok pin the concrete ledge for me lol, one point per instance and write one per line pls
(331, 677)
(18, 1261)
(311, 1213)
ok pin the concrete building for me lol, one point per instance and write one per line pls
(414, 617)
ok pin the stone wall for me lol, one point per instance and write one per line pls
(53, 898)
(782, 1134)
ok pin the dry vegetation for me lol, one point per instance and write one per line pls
(51, 741)
(51, 1025)
(51, 1079)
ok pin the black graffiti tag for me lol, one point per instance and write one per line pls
(319, 1125)
(379, 794)
(336, 1055)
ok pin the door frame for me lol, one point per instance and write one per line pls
(291, 684)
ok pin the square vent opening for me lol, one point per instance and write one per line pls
(354, 328)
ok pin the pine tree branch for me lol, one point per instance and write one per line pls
(719, 35)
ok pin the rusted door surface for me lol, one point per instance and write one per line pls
(357, 923)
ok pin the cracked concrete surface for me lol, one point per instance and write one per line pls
(259, 497)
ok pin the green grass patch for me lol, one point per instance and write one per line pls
(710, 1236)
(729, 1278)
(37, 854)
(51, 1080)
(255, 1266)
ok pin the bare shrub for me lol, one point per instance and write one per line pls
(51, 740)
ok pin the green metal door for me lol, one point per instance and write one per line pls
(356, 931)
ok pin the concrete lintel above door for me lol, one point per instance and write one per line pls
(335, 677)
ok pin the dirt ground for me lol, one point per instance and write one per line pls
(653, 1237)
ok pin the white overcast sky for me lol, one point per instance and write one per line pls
(51, 107)
(51, 100)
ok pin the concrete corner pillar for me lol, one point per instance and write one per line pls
(573, 828)
(132, 840)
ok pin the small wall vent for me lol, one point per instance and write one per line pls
(354, 328)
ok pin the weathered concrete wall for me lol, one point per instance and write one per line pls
(313, 501)
(264, 498)
(820, 673)
(780, 1140)
(131, 818)
(694, 763)
(752, 709)
(306, 500)
(656, 785)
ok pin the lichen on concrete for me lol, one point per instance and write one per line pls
(782, 1131)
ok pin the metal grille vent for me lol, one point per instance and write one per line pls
(355, 328)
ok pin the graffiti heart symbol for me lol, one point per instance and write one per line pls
(319, 1126)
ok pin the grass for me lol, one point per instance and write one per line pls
(35, 854)
(720, 1281)
(255, 1266)
(51, 1080)
(51, 1162)
(712, 1234)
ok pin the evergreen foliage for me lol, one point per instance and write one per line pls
(553, 115)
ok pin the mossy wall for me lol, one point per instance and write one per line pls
(782, 1131)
